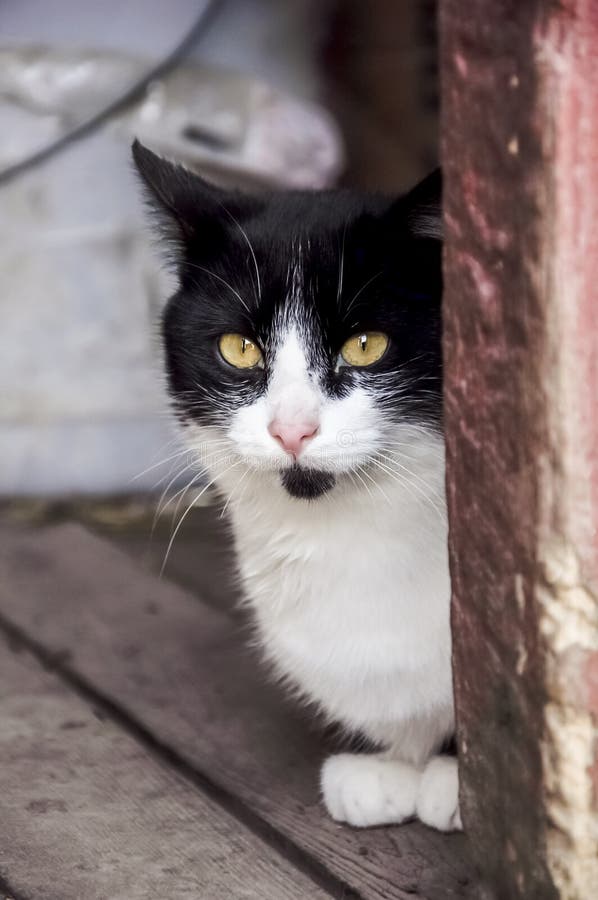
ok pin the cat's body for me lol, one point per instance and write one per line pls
(331, 463)
(350, 610)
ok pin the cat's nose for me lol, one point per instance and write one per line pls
(293, 436)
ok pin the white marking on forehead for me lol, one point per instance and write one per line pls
(290, 360)
(341, 268)
(295, 276)
(291, 391)
(293, 314)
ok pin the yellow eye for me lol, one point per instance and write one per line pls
(239, 351)
(364, 349)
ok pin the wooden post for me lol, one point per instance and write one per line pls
(520, 154)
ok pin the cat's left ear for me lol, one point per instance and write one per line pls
(421, 208)
(191, 213)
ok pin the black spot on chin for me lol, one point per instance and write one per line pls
(307, 484)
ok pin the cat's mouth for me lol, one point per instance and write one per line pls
(306, 484)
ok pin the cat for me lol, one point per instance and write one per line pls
(303, 357)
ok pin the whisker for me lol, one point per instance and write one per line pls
(435, 452)
(360, 291)
(161, 462)
(223, 280)
(392, 458)
(357, 475)
(188, 510)
(341, 268)
(172, 467)
(373, 480)
(229, 498)
(407, 484)
(251, 250)
(239, 499)
(183, 491)
(160, 507)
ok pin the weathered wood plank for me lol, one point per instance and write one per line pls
(178, 668)
(201, 559)
(520, 158)
(87, 814)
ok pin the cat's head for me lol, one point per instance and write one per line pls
(304, 340)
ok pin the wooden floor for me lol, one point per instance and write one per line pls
(144, 755)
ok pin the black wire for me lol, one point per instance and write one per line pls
(130, 96)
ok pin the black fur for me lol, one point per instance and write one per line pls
(307, 484)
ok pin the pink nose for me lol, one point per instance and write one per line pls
(293, 436)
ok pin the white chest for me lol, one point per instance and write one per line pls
(352, 604)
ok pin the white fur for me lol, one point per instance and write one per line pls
(369, 789)
(377, 789)
(351, 591)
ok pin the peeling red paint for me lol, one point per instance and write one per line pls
(594, 775)
(570, 36)
(461, 64)
(578, 678)
(590, 680)
(520, 154)
(491, 235)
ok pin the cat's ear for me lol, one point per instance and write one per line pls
(191, 213)
(421, 208)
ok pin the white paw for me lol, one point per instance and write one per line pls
(438, 797)
(369, 789)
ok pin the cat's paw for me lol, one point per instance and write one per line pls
(367, 789)
(437, 802)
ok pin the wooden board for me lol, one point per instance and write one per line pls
(88, 814)
(201, 559)
(520, 305)
(177, 673)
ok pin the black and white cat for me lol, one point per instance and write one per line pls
(303, 350)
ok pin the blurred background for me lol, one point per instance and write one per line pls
(299, 93)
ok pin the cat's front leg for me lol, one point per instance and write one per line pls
(376, 789)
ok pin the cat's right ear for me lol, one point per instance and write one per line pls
(423, 206)
(192, 215)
